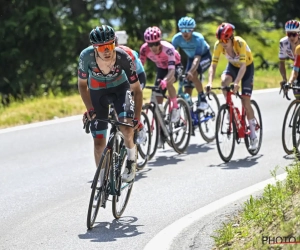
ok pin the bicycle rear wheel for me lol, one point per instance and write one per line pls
(258, 129)
(144, 148)
(286, 136)
(296, 132)
(225, 134)
(99, 188)
(154, 129)
(120, 202)
(207, 119)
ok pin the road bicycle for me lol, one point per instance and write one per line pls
(204, 120)
(177, 135)
(288, 136)
(232, 126)
(108, 177)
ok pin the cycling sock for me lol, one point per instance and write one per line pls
(252, 124)
(201, 97)
(131, 154)
(174, 103)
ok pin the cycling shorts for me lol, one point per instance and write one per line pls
(295, 91)
(123, 102)
(247, 80)
(204, 65)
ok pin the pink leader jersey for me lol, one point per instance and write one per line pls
(166, 59)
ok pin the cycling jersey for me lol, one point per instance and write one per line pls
(241, 50)
(166, 59)
(108, 88)
(285, 49)
(297, 59)
(135, 58)
(197, 46)
(122, 70)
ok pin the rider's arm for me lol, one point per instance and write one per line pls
(215, 59)
(83, 82)
(241, 73)
(296, 68)
(135, 86)
(171, 65)
(84, 93)
(143, 53)
(282, 55)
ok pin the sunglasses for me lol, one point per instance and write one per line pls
(153, 44)
(291, 34)
(102, 47)
(224, 41)
(186, 30)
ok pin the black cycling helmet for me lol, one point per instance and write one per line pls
(102, 34)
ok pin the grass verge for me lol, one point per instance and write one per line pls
(272, 218)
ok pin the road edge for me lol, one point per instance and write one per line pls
(163, 240)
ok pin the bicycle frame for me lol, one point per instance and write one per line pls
(239, 120)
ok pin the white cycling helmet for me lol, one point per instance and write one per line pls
(292, 26)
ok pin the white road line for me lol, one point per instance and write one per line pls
(163, 240)
(77, 117)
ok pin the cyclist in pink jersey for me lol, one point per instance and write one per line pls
(168, 65)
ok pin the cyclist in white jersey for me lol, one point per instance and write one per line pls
(287, 47)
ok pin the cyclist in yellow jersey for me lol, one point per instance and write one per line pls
(239, 68)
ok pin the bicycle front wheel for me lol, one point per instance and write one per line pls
(99, 189)
(258, 129)
(154, 129)
(287, 138)
(296, 132)
(144, 148)
(207, 119)
(120, 202)
(225, 134)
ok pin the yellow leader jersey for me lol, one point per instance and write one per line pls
(241, 50)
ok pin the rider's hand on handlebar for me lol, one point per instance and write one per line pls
(236, 88)
(208, 87)
(139, 126)
(163, 84)
(89, 115)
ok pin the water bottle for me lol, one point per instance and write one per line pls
(188, 99)
(161, 108)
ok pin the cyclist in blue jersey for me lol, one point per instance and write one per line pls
(199, 57)
(106, 74)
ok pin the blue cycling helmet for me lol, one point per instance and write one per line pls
(186, 23)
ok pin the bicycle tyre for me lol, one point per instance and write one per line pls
(144, 155)
(215, 112)
(287, 149)
(154, 130)
(104, 164)
(219, 123)
(295, 131)
(118, 213)
(180, 146)
(247, 137)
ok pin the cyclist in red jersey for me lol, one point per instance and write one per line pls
(168, 65)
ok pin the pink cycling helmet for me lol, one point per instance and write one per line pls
(152, 34)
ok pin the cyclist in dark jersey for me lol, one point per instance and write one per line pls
(106, 74)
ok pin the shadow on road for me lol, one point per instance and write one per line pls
(111, 231)
(247, 162)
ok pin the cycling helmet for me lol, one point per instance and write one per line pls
(225, 31)
(292, 26)
(102, 34)
(152, 34)
(186, 23)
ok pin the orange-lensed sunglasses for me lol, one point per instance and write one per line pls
(224, 41)
(102, 47)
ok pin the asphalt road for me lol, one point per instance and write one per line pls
(46, 173)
